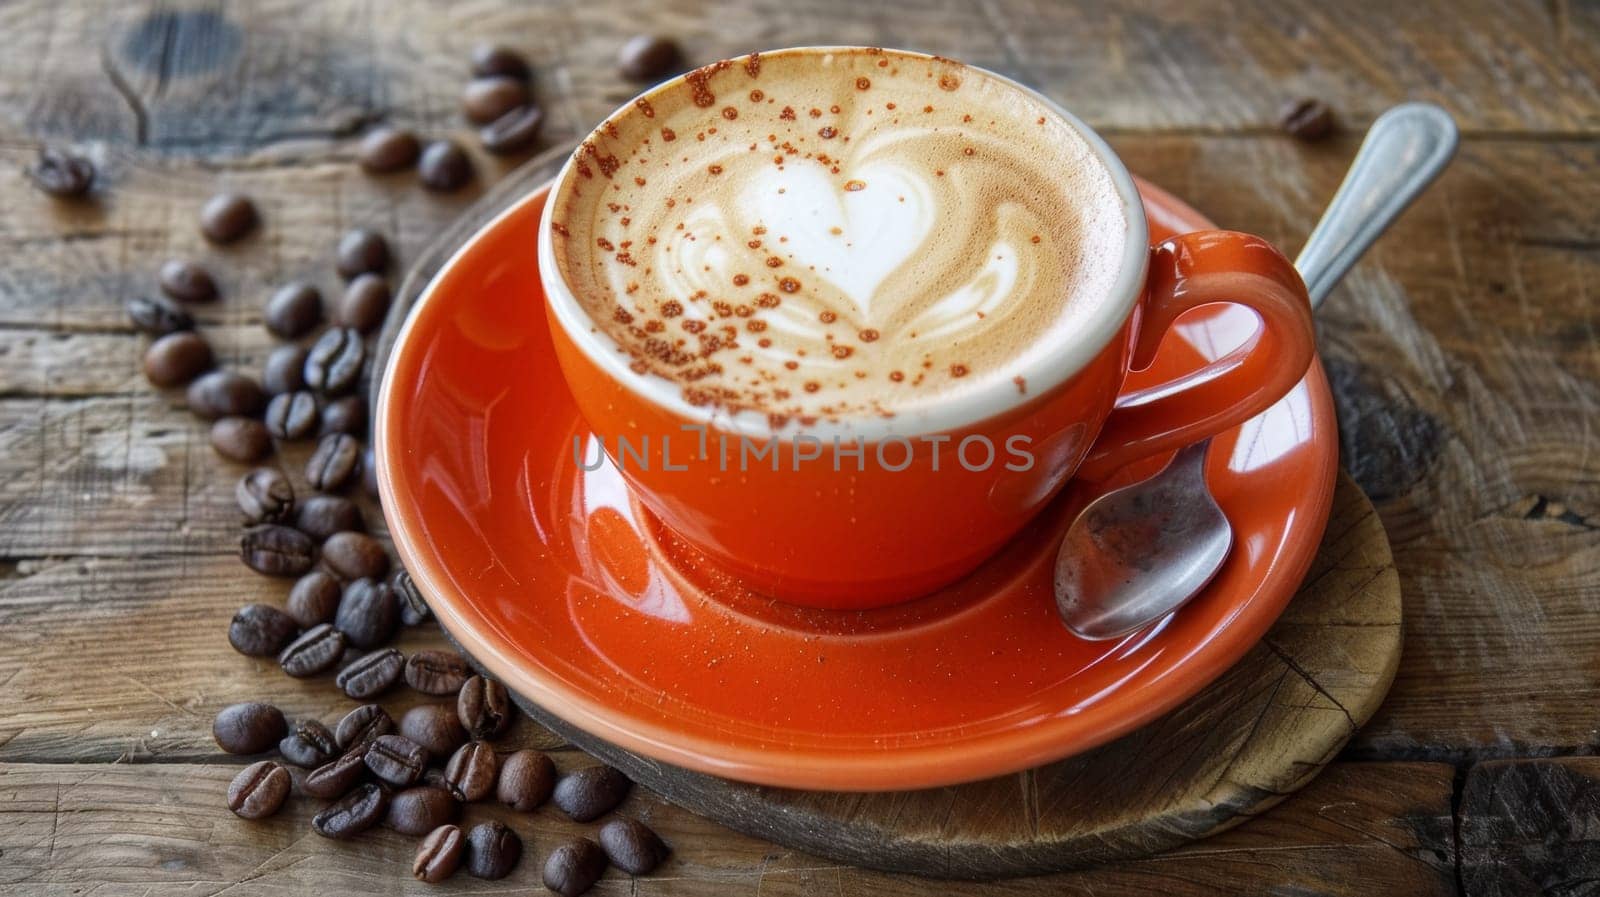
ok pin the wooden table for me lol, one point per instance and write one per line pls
(1463, 352)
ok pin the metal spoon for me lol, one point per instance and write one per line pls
(1138, 553)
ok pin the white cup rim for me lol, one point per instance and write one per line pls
(959, 412)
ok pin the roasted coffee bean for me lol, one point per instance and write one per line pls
(439, 855)
(336, 777)
(513, 131)
(277, 550)
(355, 555)
(648, 57)
(1306, 119)
(346, 415)
(284, 370)
(369, 472)
(484, 707)
(177, 358)
(396, 759)
(494, 60)
(264, 495)
(444, 166)
(371, 674)
(227, 217)
(492, 850)
(368, 613)
(225, 394)
(589, 793)
(485, 99)
(388, 149)
(242, 439)
(574, 867)
(314, 598)
(413, 609)
(632, 846)
(293, 310)
(336, 460)
(309, 744)
(62, 174)
(420, 810)
(316, 651)
(361, 251)
(352, 814)
(364, 303)
(292, 416)
(186, 281)
(260, 630)
(437, 672)
(470, 774)
(248, 728)
(361, 726)
(320, 516)
(526, 779)
(259, 790)
(435, 727)
(158, 315)
(334, 363)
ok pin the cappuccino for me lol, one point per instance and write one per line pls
(821, 234)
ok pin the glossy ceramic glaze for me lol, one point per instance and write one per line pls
(568, 590)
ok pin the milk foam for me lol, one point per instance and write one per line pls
(824, 234)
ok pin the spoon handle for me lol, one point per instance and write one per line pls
(1404, 151)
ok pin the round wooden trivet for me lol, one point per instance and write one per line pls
(1262, 730)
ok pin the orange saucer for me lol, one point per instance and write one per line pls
(566, 590)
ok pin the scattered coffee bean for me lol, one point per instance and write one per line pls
(354, 555)
(372, 674)
(387, 149)
(320, 516)
(277, 550)
(336, 777)
(334, 363)
(187, 282)
(228, 217)
(574, 867)
(284, 370)
(632, 846)
(413, 609)
(485, 99)
(439, 855)
(365, 302)
(444, 166)
(484, 707)
(352, 814)
(264, 495)
(589, 793)
(369, 472)
(361, 726)
(316, 651)
(396, 759)
(1306, 119)
(496, 61)
(61, 174)
(336, 460)
(158, 315)
(492, 850)
(259, 790)
(292, 416)
(470, 774)
(177, 358)
(260, 630)
(248, 728)
(368, 613)
(361, 251)
(437, 672)
(435, 777)
(225, 394)
(648, 57)
(309, 744)
(435, 727)
(293, 310)
(420, 810)
(346, 415)
(513, 131)
(314, 599)
(526, 779)
(242, 439)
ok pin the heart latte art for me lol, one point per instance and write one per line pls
(821, 234)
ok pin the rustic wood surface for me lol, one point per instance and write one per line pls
(1463, 353)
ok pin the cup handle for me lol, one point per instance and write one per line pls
(1186, 272)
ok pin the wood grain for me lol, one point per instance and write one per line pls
(1528, 827)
